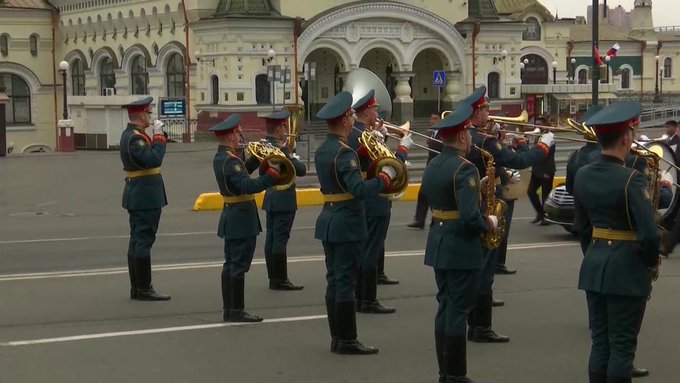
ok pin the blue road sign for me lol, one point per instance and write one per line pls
(439, 78)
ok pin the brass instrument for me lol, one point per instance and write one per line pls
(523, 118)
(293, 125)
(265, 152)
(493, 238)
(382, 156)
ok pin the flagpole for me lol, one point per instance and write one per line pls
(596, 67)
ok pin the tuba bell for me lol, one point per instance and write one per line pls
(264, 152)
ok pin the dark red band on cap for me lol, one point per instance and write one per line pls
(618, 127)
(481, 103)
(369, 104)
(449, 132)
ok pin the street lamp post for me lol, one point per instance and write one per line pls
(572, 69)
(607, 59)
(656, 86)
(63, 68)
(554, 66)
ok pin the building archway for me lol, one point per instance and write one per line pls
(382, 63)
(426, 97)
(535, 70)
(329, 68)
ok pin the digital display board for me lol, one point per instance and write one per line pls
(172, 108)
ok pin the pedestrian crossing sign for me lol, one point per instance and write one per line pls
(439, 79)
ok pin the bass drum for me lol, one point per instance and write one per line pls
(664, 151)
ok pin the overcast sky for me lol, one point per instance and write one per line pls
(666, 12)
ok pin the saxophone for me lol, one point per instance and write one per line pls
(492, 239)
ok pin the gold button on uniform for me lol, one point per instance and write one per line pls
(609, 243)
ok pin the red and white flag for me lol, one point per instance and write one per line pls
(596, 54)
(613, 50)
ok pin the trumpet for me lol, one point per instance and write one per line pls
(265, 152)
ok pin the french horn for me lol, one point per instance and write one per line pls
(265, 152)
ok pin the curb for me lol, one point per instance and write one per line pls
(307, 197)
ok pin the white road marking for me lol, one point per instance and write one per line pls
(74, 338)
(180, 234)
(204, 265)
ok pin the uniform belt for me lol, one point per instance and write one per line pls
(363, 175)
(614, 235)
(143, 173)
(337, 197)
(238, 198)
(498, 181)
(446, 215)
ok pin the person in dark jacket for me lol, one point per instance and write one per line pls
(542, 176)
(422, 205)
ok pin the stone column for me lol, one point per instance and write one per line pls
(452, 91)
(402, 109)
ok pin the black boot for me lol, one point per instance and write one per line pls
(347, 331)
(455, 360)
(597, 376)
(639, 372)
(332, 323)
(439, 347)
(382, 278)
(482, 332)
(269, 261)
(237, 312)
(226, 297)
(145, 291)
(133, 280)
(497, 302)
(369, 292)
(279, 278)
(357, 289)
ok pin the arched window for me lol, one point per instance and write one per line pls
(535, 70)
(583, 76)
(625, 78)
(533, 31)
(139, 76)
(18, 109)
(107, 79)
(214, 90)
(33, 44)
(667, 67)
(494, 85)
(77, 78)
(4, 44)
(262, 91)
(175, 75)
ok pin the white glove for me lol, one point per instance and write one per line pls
(514, 176)
(494, 222)
(645, 138)
(383, 130)
(483, 181)
(548, 139)
(274, 165)
(295, 156)
(376, 133)
(157, 127)
(390, 171)
(407, 141)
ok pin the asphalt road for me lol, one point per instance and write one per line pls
(65, 315)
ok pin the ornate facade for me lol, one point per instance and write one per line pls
(242, 55)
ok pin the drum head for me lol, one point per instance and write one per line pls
(664, 151)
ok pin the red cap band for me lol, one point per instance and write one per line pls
(618, 127)
(369, 104)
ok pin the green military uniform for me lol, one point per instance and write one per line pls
(341, 225)
(614, 213)
(280, 206)
(239, 222)
(143, 198)
(454, 249)
(481, 317)
(580, 157)
(378, 213)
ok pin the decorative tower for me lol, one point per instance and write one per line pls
(643, 23)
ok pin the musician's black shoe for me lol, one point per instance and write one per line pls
(150, 295)
(497, 302)
(539, 218)
(416, 225)
(354, 347)
(544, 223)
(385, 280)
(502, 269)
(334, 344)
(286, 285)
(639, 372)
(375, 307)
(241, 316)
(487, 335)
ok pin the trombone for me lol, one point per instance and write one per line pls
(405, 129)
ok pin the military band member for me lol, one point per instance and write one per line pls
(454, 248)
(341, 225)
(581, 157)
(239, 223)
(613, 211)
(144, 194)
(481, 316)
(378, 209)
(280, 206)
